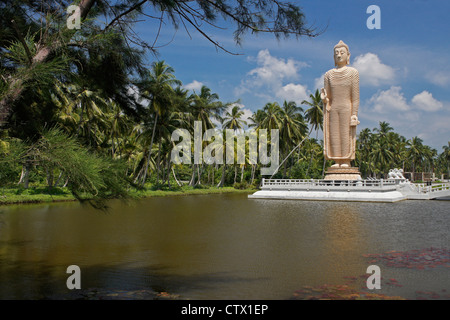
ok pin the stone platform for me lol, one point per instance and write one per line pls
(390, 190)
(339, 173)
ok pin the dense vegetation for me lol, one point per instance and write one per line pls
(79, 108)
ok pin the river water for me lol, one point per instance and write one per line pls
(218, 246)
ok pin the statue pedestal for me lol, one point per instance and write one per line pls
(339, 173)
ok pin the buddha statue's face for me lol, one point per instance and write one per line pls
(341, 56)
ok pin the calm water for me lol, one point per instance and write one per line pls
(216, 246)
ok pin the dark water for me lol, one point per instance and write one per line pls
(217, 246)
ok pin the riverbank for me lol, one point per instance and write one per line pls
(44, 194)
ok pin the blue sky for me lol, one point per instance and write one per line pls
(404, 66)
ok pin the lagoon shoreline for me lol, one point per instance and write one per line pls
(10, 196)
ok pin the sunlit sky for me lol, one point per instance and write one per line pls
(404, 66)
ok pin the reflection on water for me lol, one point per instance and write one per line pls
(215, 246)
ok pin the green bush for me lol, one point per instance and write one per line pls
(241, 185)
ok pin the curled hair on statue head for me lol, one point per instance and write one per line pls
(341, 44)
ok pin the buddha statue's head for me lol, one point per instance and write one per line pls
(341, 54)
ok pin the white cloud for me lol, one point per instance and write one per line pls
(390, 100)
(318, 82)
(272, 71)
(372, 71)
(422, 116)
(425, 101)
(293, 92)
(194, 85)
(273, 78)
(439, 78)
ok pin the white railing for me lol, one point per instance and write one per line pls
(422, 188)
(327, 183)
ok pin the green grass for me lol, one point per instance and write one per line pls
(19, 195)
(34, 195)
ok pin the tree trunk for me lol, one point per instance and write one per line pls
(222, 179)
(150, 151)
(49, 173)
(26, 177)
(192, 182)
(253, 172)
(323, 167)
(57, 180)
(175, 177)
(168, 171)
(199, 174)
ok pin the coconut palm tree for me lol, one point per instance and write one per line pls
(414, 148)
(157, 87)
(314, 115)
(118, 125)
(256, 119)
(233, 120)
(204, 108)
(446, 156)
(383, 129)
(293, 128)
(381, 156)
(272, 116)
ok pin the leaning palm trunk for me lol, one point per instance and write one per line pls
(222, 179)
(25, 176)
(199, 174)
(253, 172)
(149, 152)
(192, 182)
(282, 162)
(175, 177)
(59, 178)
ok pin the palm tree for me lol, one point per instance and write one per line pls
(414, 148)
(256, 119)
(232, 120)
(204, 107)
(272, 117)
(383, 129)
(293, 128)
(381, 156)
(314, 115)
(363, 149)
(157, 87)
(118, 124)
(446, 156)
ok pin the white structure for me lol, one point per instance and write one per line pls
(390, 190)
